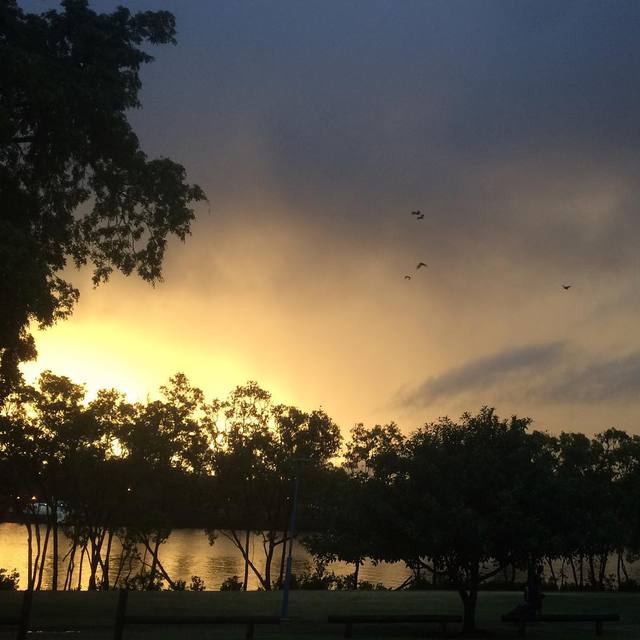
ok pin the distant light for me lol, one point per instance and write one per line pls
(128, 488)
(34, 497)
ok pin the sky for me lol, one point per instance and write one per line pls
(315, 128)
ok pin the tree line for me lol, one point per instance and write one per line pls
(461, 503)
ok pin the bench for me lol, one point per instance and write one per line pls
(598, 618)
(349, 620)
(123, 619)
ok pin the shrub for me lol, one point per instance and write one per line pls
(232, 583)
(140, 582)
(365, 585)
(9, 580)
(197, 584)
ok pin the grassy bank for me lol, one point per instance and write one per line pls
(93, 613)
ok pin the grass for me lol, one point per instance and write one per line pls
(92, 613)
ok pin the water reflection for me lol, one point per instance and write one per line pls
(187, 552)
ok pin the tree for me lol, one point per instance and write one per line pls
(166, 453)
(74, 183)
(594, 483)
(261, 447)
(472, 484)
(357, 504)
(345, 533)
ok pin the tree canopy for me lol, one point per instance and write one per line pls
(75, 185)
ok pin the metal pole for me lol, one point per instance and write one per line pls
(292, 531)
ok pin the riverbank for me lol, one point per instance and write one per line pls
(93, 612)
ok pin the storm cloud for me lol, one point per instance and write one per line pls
(556, 373)
(483, 373)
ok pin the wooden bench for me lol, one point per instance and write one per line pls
(598, 618)
(349, 620)
(123, 619)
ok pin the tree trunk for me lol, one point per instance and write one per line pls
(154, 562)
(469, 595)
(29, 557)
(618, 572)
(267, 563)
(245, 582)
(624, 567)
(592, 571)
(581, 571)
(96, 547)
(71, 554)
(43, 559)
(105, 566)
(469, 601)
(552, 571)
(36, 561)
(82, 554)
(356, 573)
(54, 524)
(576, 580)
(604, 557)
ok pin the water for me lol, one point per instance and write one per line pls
(187, 553)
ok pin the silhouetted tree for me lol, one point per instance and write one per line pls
(473, 479)
(357, 504)
(260, 448)
(74, 183)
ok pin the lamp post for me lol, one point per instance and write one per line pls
(292, 532)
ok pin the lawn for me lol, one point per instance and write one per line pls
(93, 613)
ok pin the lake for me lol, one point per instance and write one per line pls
(187, 553)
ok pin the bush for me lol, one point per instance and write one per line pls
(9, 580)
(629, 585)
(197, 584)
(365, 585)
(233, 583)
(320, 579)
(140, 582)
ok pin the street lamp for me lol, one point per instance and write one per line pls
(292, 531)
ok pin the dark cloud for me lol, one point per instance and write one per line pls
(486, 372)
(553, 373)
(602, 380)
(508, 122)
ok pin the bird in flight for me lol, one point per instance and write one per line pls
(407, 277)
(416, 213)
(420, 216)
(421, 264)
(566, 286)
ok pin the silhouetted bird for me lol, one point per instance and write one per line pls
(415, 213)
(420, 216)
(421, 264)
(407, 277)
(566, 286)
